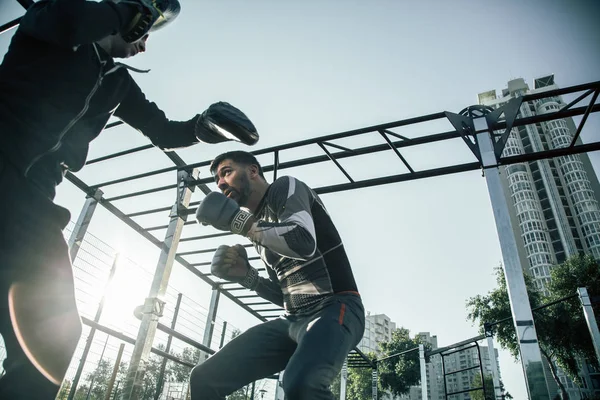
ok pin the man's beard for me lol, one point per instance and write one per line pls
(244, 192)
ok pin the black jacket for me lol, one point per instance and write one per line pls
(58, 90)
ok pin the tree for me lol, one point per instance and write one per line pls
(562, 337)
(398, 374)
(489, 388)
(64, 390)
(360, 383)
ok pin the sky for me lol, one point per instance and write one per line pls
(303, 69)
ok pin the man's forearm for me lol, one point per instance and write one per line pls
(270, 291)
(288, 239)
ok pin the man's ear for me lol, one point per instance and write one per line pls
(253, 169)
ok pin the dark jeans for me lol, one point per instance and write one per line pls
(311, 349)
(38, 315)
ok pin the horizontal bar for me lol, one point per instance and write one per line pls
(340, 135)
(185, 339)
(10, 25)
(154, 210)
(459, 350)
(247, 296)
(119, 154)
(214, 235)
(187, 253)
(143, 192)
(159, 227)
(452, 346)
(465, 391)
(125, 338)
(463, 369)
(398, 354)
(259, 303)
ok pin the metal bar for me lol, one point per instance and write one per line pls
(423, 368)
(481, 369)
(531, 357)
(120, 153)
(187, 253)
(83, 221)
(156, 228)
(395, 134)
(577, 100)
(584, 118)
(493, 361)
(222, 342)
(141, 192)
(211, 319)
(185, 339)
(153, 306)
(491, 324)
(90, 338)
(163, 366)
(146, 212)
(590, 319)
(260, 303)
(389, 142)
(138, 176)
(275, 164)
(337, 146)
(111, 382)
(332, 158)
(449, 352)
(344, 380)
(316, 140)
(213, 235)
(398, 354)
(461, 370)
(130, 340)
(464, 391)
(10, 25)
(374, 379)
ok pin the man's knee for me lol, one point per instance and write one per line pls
(200, 381)
(306, 383)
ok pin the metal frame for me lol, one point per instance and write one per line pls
(332, 153)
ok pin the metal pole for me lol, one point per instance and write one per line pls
(111, 382)
(531, 357)
(423, 372)
(252, 392)
(374, 382)
(81, 226)
(211, 319)
(493, 362)
(163, 366)
(99, 361)
(344, 380)
(153, 306)
(590, 318)
(223, 334)
(90, 338)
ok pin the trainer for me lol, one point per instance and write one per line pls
(59, 85)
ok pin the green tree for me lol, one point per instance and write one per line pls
(360, 384)
(398, 374)
(489, 388)
(561, 332)
(64, 390)
(181, 372)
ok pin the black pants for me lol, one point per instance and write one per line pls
(38, 316)
(311, 349)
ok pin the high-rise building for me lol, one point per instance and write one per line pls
(378, 328)
(553, 203)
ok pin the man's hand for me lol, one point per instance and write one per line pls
(224, 214)
(231, 263)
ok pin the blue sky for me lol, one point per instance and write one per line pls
(305, 69)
